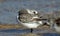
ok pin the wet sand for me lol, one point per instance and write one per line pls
(11, 26)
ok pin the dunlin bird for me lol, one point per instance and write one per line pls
(29, 18)
(57, 25)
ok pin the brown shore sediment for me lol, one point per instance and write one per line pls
(16, 26)
(11, 26)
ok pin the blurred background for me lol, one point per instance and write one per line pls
(9, 8)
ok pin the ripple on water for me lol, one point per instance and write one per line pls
(16, 30)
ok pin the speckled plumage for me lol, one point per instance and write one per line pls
(29, 18)
(24, 16)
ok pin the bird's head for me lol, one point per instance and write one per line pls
(33, 12)
(27, 14)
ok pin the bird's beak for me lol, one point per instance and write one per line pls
(35, 19)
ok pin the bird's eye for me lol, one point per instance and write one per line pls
(34, 12)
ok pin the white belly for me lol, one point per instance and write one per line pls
(31, 25)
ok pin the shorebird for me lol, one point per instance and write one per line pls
(57, 25)
(29, 18)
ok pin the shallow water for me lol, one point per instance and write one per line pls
(14, 32)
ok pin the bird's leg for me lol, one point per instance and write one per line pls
(31, 30)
